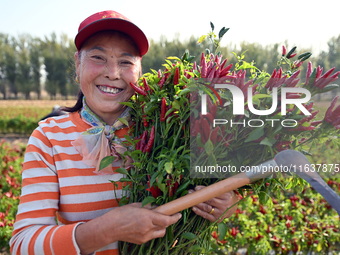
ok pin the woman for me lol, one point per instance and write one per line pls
(66, 207)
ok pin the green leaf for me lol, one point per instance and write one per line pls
(168, 167)
(268, 141)
(255, 134)
(201, 39)
(124, 121)
(183, 187)
(209, 147)
(222, 230)
(222, 32)
(121, 171)
(212, 26)
(106, 161)
(329, 88)
(173, 58)
(125, 180)
(189, 235)
(246, 65)
(148, 200)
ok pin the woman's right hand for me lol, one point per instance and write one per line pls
(139, 225)
(130, 223)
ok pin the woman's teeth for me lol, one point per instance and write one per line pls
(109, 89)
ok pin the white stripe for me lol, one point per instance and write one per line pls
(34, 221)
(110, 247)
(67, 164)
(39, 244)
(40, 187)
(37, 172)
(83, 216)
(61, 136)
(38, 205)
(90, 197)
(85, 180)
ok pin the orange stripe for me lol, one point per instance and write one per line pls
(108, 252)
(85, 207)
(47, 246)
(63, 240)
(50, 212)
(64, 156)
(39, 196)
(63, 143)
(75, 172)
(122, 132)
(82, 189)
(56, 129)
(37, 134)
(34, 164)
(33, 239)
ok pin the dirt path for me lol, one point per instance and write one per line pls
(14, 138)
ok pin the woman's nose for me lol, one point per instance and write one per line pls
(112, 71)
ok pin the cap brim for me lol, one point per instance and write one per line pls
(120, 25)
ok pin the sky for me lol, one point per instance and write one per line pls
(308, 24)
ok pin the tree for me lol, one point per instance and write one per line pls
(10, 68)
(36, 64)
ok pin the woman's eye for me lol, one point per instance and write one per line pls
(126, 62)
(96, 57)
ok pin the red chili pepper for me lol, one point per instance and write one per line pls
(292, 55)
(155, 191)
(142, 142)
(172, 186)
(150, 143)
(176, 76)
(203, 66)
(205, 130)
(146, 85)
(163, 109)
(225, 70)
(284, 50)
(217, 95)
(145, 121)
(138, 89)
(214, 135)
(234, 231)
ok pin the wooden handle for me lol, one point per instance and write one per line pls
(209, 192)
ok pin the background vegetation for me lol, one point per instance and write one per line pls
(35, 68)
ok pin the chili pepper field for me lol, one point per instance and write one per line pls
(299, 221)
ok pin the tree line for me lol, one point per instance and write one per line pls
(31, 67)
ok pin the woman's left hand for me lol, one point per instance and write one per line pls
(216, 208)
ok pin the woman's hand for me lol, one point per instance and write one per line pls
(130, 223)
(139, 225)
(217, 208)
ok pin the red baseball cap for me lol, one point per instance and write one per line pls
(111, 20)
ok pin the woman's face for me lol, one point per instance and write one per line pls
(106, 65)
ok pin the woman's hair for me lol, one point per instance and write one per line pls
(78, 105)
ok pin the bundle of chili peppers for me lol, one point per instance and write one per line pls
(167, 125)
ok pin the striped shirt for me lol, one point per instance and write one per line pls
(59, 191)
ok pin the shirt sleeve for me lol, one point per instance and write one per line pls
(36, 230)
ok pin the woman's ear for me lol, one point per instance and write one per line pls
(77, 61)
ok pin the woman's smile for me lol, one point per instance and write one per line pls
(109, 90)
